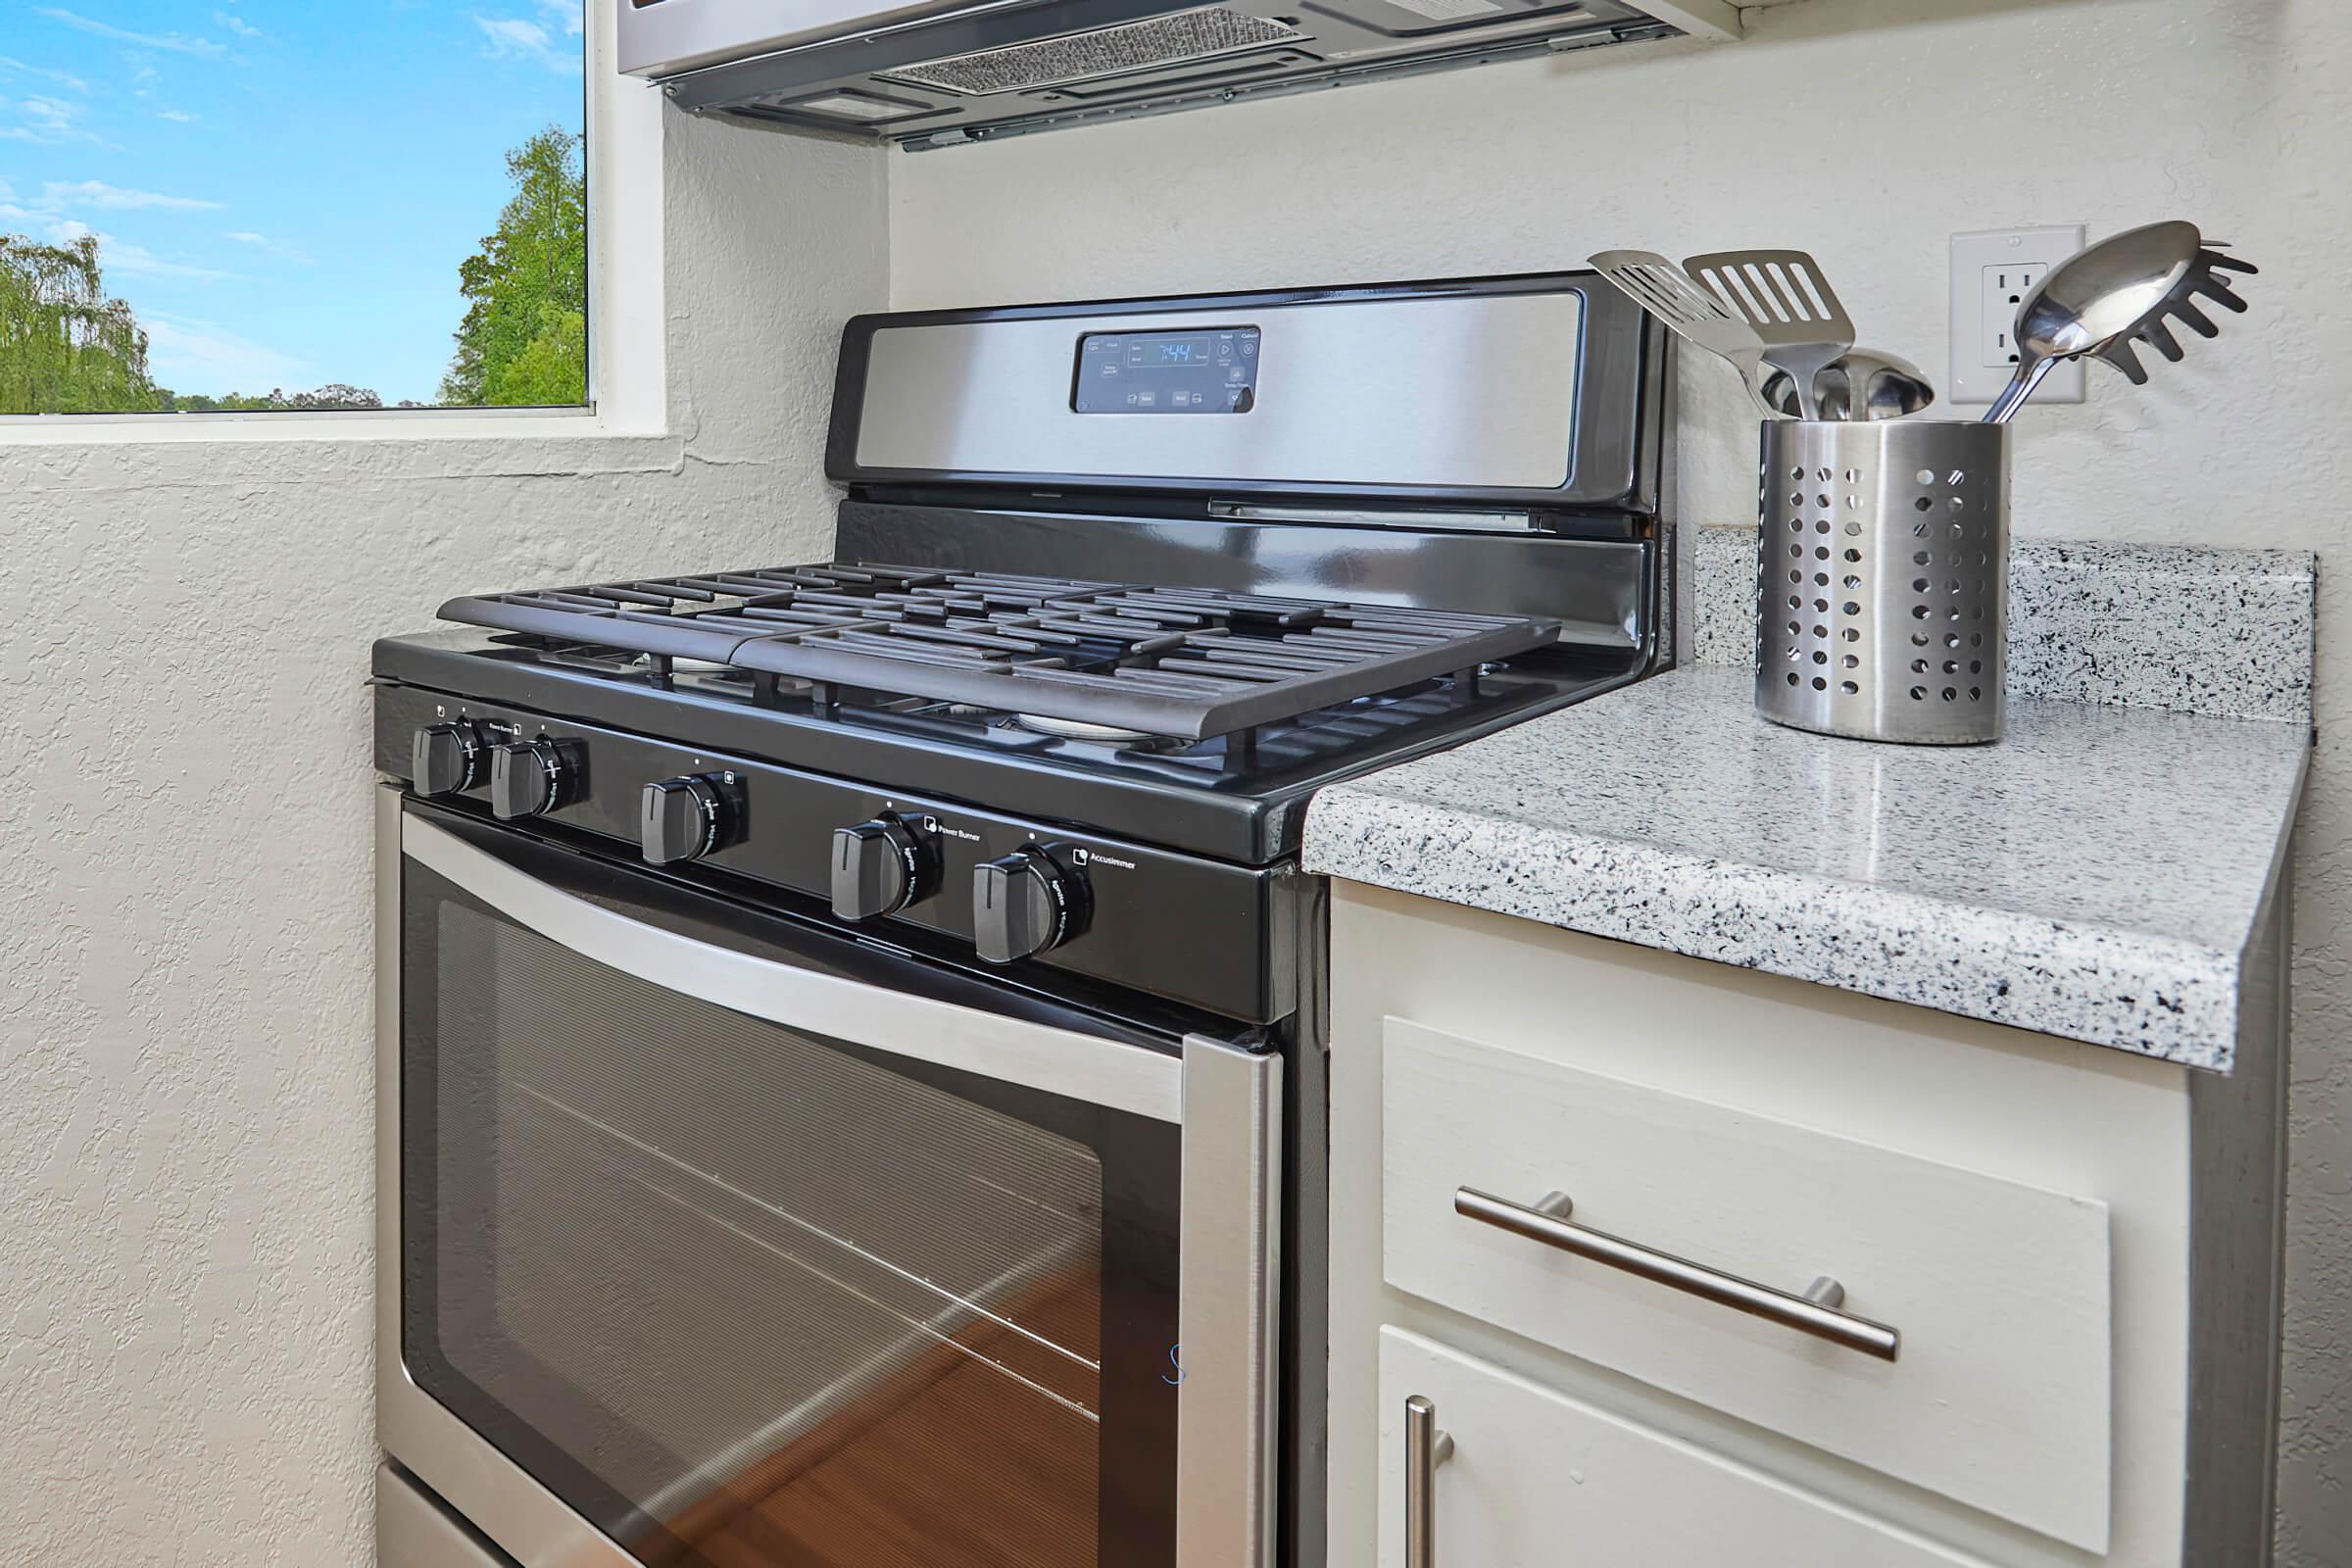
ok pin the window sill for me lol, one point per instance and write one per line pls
(355, 424)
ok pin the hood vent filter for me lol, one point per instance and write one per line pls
(1172, 39)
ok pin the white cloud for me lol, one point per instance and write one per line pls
(263, 242)
(178, 117)
(121, 256)
(58, 194)
(568, 14)
(44, 120)
(176, 44)
(189, 355)
(65, 79)
(521, 38)
(236, 24)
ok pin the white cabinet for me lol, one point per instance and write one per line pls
(2074, 1243)
(1538, 1479)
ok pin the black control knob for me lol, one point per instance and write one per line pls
(530, 778)
(687, 818)
(881, 866)
(1025, 903)
(449, 757)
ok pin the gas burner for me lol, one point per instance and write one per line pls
(621, 661)
(1078, 729)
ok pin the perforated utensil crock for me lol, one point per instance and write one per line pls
(1882, 577)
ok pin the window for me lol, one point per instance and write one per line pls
(279, 205)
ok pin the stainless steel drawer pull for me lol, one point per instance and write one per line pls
(1814, 1313)
(1425, 1449)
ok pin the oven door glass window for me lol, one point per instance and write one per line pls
(743, 1295)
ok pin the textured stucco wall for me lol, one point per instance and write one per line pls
(1867, 130)
(186, 1121)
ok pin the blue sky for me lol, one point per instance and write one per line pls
(283, 189)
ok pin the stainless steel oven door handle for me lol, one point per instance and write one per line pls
(1056, 1062)
(1229, 1298)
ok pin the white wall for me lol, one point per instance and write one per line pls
(186, 1149)
(1867, 130)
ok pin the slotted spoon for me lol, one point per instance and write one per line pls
(1690, 312)
(1795, 314)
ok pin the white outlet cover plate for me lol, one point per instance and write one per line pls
(1978, 374)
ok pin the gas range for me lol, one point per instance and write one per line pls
(1085, 759)
(876, 1000)
(1067, 687)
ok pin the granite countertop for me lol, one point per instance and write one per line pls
(2096, 874)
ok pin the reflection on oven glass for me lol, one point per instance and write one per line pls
(777, 1304)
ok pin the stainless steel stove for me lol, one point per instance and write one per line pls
(852, 1059)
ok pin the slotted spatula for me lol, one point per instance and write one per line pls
(1692, 313)
(1782, 295)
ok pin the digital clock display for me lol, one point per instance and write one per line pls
(1164, 350)
(1212, 371)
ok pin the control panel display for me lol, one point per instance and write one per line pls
(1210, 371)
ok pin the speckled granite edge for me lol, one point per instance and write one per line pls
(2226, 633)
(2150, 995)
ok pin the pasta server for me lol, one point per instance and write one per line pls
(2100, 300)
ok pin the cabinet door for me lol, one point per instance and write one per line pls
(1538, 1479)
(2000, 1396)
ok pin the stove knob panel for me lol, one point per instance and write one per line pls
(1024, 905)
(531, 778)
(449, 757)
(881, 866)
(686, 818)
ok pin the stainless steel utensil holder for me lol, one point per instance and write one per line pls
(1882, 577)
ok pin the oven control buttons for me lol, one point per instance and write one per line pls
(1025, 903)
(449, 757)
(530, 778)
(881, 866)
(686, 818)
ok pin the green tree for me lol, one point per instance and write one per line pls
(64, 347)
(524, 337)
(333, 395)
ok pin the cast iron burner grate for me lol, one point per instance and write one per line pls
(1183, 662)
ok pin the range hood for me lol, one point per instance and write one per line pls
(954, 71)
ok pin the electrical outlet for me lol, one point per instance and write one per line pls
(2001, 288)
(1993, 272)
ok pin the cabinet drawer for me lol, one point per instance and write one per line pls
(1998, 1396)
(1538, 1479)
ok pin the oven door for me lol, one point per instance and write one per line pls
(716, 1240)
